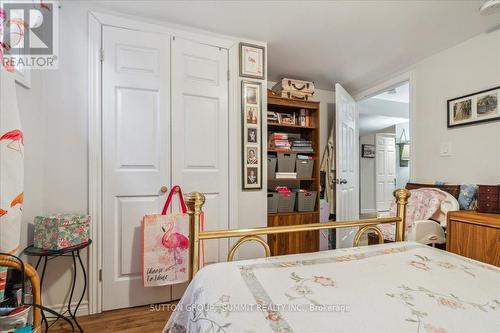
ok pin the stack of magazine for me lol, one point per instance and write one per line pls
(279, 141)
(302, 146)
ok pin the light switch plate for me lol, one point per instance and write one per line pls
(445, 149)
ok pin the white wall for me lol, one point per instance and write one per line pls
(367, 173)
(55, 117)
(466, 68)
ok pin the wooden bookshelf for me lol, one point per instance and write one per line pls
(299, 242)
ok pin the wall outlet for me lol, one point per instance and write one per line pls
(445, 149)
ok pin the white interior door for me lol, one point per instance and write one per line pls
(136, 157)
(347, 164)
(385, 170)
(200, 135)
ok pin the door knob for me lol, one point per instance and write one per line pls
(163, 189)
(343, 181)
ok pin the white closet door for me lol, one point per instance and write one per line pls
(200, 142)
(385, 171)
(136, 157)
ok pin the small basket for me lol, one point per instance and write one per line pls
(306, 201)
(61, 231)
(286, 202)
(272, 202)
(304, 168)
(271, 167)
(286, 162)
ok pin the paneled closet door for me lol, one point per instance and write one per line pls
(200, 142)
(136, 157)
(385, 171)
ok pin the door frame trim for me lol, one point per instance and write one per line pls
(393, 82)
(96, 21)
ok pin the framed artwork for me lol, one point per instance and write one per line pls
(252, 61)
(481, 106)
(368, 151)
(251, 108)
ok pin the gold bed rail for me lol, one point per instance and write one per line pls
(32, 275)
(196, 200)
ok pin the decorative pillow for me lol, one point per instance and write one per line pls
(467, 195)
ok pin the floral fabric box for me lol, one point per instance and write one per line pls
(61, 231)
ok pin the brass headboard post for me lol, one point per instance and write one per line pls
(195, 202)
(402, 196)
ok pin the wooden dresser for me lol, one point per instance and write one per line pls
(474, 235)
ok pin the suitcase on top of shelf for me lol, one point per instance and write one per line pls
(287, 84)
(296, 95)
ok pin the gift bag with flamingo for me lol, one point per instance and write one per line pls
(166, 245)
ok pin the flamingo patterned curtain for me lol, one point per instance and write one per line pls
(11, 166)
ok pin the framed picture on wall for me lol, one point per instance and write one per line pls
(478, 107)
(368, 151)
(251, 108)
(252, 61)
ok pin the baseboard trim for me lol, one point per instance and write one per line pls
(83, 309)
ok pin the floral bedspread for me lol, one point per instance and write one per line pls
(396, 287)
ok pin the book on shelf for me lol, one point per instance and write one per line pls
(279, 136)
(273, 117)
(279, 141)
(286, 175)
(299, 118)
(287, 118)
(304, 157)
(302, 146)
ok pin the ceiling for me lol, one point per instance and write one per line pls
(354, 43)
(384, 110)
(398, 94)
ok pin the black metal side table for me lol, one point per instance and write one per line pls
(47, 255)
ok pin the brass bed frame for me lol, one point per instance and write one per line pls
(196, 200)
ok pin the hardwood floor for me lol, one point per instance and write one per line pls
(134, 320)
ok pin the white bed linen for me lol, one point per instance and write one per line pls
(396, 287)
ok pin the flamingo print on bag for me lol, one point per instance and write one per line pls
(174, 242)
(3, 212)
(16, 138)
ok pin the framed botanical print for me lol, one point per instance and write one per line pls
(252, 61)
(478, 107)
(251, 108)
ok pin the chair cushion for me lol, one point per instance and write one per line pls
(422, 205)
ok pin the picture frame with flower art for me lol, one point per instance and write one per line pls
(252, 61)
